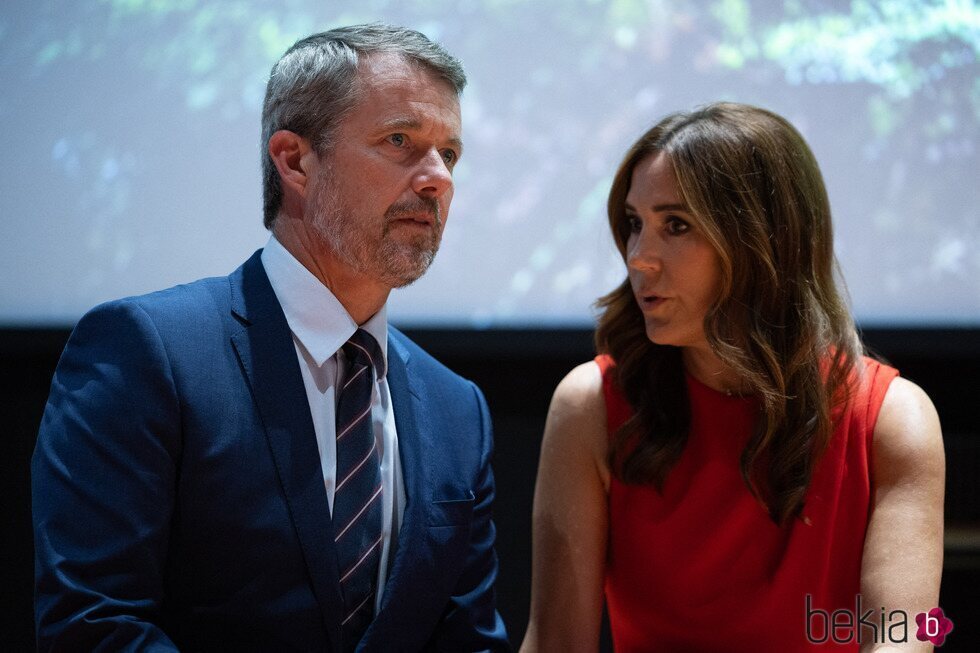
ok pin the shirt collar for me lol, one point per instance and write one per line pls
(315, 316)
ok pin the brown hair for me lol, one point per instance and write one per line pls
(780, 321)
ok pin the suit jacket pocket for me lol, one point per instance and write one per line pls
(452, 512)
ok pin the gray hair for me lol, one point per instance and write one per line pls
(313, 86)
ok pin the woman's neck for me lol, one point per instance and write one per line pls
(705, 366)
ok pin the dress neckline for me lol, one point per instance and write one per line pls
(696, 385)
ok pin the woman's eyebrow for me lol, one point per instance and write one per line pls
(660, 208)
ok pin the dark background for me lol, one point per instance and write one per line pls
(518, 370)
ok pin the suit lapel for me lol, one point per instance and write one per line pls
(268, 357)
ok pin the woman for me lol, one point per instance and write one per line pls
(730, 471)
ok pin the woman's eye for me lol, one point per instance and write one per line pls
(397, 139)
(677, 226)
(635, 224)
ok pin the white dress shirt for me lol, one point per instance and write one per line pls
(320, 326)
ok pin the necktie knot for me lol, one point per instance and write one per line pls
(363, 349)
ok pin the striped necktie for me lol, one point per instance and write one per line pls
(357, 496)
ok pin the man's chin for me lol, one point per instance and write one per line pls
(405, 268)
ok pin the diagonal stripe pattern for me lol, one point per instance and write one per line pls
(357, 496)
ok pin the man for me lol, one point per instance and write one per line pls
(259, 462)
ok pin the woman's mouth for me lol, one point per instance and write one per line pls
(650, 302)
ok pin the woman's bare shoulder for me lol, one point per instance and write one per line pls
(577, 416)
(580, 392)
(907, 435)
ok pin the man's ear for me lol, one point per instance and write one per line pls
(295, 159)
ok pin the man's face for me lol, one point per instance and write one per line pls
(381, 196)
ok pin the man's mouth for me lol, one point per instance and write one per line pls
(423, 211)
(425, 219)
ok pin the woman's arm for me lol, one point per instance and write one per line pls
(903, 548)
(570, 520)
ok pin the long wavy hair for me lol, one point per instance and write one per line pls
(780, 321)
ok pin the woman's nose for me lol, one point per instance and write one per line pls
(643, 252)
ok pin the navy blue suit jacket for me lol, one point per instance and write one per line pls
(179, 501)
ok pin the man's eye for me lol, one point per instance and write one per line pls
(449, 156)
(398, 140)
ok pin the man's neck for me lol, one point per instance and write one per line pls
(360, 296)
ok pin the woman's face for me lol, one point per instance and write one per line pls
(674, 271)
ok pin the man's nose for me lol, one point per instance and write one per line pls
(432, 177)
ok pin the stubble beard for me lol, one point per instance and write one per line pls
(393, 259)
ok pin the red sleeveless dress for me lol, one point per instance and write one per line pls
(701, 567)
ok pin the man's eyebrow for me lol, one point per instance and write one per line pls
(401, 123)
(661, 208)
(415, 124)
